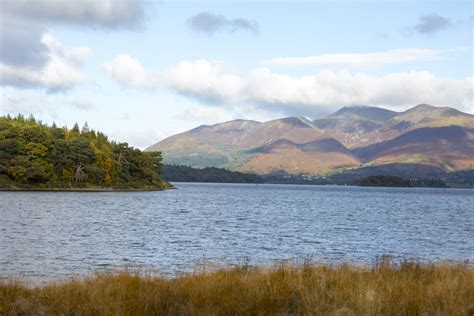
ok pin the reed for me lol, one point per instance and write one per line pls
(406, 288)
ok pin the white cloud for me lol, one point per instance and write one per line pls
(333, 89)
(360, 60)
(201, 78)
(324, 90)
(78, 55)
(59, 72)
(128, 71)
(31, 58)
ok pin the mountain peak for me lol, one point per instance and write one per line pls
(295, 121)
(422, 107)
(364, 112)
(351, 109)
(426, 110)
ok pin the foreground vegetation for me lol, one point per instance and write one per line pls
(34, 155)
(386, 289)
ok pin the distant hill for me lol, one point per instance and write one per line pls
(357, 137)
(450, 147)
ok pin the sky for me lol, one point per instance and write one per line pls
(141, 71)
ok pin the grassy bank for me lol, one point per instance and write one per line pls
(385, 289)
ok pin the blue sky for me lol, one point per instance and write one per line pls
(142, 71)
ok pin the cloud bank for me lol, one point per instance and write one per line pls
(360, 60)
(209, 23)
(211, 83)
(59, 73)
(200, 78)
(31, 58)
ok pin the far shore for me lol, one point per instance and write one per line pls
(172, 187)
(451, 186)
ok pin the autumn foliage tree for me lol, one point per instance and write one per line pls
(33, 154)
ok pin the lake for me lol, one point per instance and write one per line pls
(55, 235)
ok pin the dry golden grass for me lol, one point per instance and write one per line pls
(385, 289)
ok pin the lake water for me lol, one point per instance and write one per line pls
(54, 235)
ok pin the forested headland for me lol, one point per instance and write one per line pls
(34, 155)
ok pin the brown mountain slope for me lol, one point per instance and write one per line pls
(315, 157)
(230, 133)
(355, 126)
(290, 144)
(296, 129)
(448, 147)
(361, 126)
(245, 133)
(425, 115)
(433, 136)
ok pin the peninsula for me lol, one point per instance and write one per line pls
(35, 156)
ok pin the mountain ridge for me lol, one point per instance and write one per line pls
(350, 138)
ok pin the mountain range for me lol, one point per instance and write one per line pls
(425, 137)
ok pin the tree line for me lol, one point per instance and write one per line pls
(35, 155)
(180, 173)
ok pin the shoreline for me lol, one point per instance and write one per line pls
(34, 281)
(91, 190)
(326, 185)
(83, 189)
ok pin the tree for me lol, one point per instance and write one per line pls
(35, 155)
(157, 160)
(85, 128)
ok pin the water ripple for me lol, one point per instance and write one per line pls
(50, 235)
